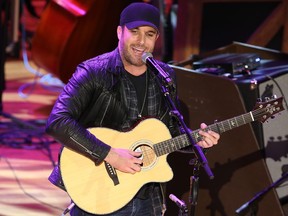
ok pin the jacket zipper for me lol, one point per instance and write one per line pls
(106, 110)
(87, 150)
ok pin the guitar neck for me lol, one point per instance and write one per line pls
(264, 111)
(181, 141)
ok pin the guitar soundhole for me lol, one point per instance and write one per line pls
(148, 155)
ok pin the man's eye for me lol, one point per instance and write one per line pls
(151, 34)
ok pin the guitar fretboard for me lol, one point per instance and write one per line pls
(181, 141)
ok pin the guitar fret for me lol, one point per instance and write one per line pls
(176, 143)
(159, 149)
(223, 126)
(196, 136)
(246, 118)
(219, 128)
(229, 123)
(233, 123)
(213, 127)
(169, 146)
(185, 141)
(243, 119)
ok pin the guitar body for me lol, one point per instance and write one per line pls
(90, 186)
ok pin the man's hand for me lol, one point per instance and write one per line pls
(209, 138)
(124, 160)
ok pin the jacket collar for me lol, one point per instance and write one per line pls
(115, 64)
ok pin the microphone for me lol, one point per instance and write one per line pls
(243, 209)
(181, 204)
(148, 59)
(68, 209)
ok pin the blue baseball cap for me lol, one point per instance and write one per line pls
(140, 14)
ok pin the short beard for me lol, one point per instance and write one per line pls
(128, 57)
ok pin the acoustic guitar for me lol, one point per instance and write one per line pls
(92, 188)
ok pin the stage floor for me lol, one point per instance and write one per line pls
(27, 155)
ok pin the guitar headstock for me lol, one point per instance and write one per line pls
(267, 109)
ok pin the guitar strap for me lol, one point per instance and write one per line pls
(112, 173)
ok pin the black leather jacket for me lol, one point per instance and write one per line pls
(95, 97)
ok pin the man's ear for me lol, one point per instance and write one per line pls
(119, 32)
(157, 36)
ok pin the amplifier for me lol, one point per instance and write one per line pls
(237, 161)
(233, 63)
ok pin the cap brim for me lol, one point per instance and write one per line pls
(136, 24)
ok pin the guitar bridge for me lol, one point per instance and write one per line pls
(112, 173)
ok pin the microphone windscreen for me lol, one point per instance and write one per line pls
(146, 55)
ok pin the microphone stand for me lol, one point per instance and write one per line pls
(194, 185)
(252, 205)
(183, 210)
(165, 84)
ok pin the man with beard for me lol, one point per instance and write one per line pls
(116, 90)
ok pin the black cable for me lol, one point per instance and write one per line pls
(29, 135)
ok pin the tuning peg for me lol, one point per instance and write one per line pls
(267, 99)
(259, 100)
(253, 84)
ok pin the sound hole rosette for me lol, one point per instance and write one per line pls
(148, 156)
